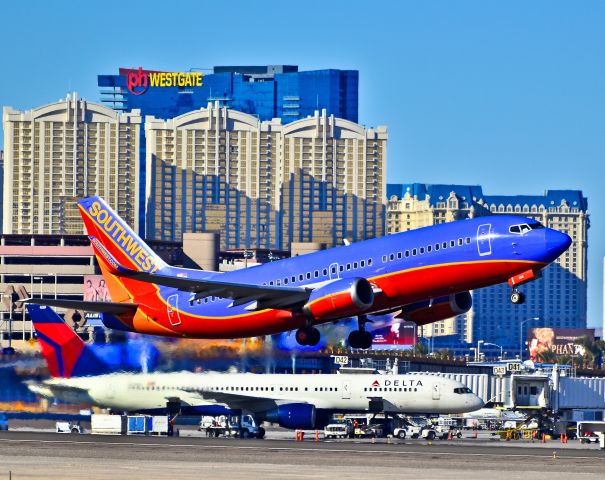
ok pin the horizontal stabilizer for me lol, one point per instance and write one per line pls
(102, 307)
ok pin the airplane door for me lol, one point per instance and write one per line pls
(172, 308)
(436, 391)
(334, 273)
(111, 390)
(484, 242)
(346, 389)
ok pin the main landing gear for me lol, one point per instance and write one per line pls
(517, 297)
(360, 338)
(308, 336)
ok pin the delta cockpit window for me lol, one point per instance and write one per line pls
(523, 228)
(462, 390)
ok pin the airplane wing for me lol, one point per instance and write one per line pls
(258, 296)
(253, 403)
(262, 296)
(106, 307)
(52, 389)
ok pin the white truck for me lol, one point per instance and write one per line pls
(232, 426)
(339, 429)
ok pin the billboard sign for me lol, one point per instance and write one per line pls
(95, 290)
(561, 341)
(399, 336)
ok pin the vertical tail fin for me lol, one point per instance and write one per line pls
(105, 227)
(116, 244)
(64, 351)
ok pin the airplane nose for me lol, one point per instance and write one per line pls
(478, 403)
(555, 243)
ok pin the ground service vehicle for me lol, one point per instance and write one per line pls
(230, 425)
(339, 429)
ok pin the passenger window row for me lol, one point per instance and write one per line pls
(428, 249)
(301, 277)
(390, 389)
(262, 389)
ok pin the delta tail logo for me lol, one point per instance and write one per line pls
(139, 81)
(375, 384)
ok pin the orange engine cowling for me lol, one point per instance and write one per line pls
(342, 298)
(429, 311)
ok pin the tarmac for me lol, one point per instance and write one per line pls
(41, 455)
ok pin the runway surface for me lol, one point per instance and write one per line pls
(28, 455)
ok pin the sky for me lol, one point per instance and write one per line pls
(508, 95)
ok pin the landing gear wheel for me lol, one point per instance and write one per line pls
(517, 297)
(360, 339)
(308, 336)
(366, 340)
(355, 339)
(314, 337)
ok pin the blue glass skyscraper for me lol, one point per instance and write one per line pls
(273, 91)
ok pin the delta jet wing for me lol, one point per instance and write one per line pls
(235, 401)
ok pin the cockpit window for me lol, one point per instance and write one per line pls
(462, 390)
(523, 228)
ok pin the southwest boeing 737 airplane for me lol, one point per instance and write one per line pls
(292, 401)
(425, 273)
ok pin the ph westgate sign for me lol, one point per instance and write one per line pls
(139, 81)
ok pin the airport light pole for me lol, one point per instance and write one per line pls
(523, 322)
(479, 342)
(494, 345)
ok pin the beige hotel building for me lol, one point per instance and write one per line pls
(264, 184)
(58, 153)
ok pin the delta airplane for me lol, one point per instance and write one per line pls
(293, 401)
(426, 274)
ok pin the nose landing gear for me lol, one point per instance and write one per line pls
(360, 338)
(517, 297)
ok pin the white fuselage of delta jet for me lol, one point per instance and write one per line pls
(410, 393)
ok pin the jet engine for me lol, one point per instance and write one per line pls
(341, 298)
(293, 416)
(429, 311)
